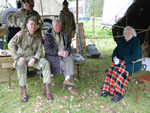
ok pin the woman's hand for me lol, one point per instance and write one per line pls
(124, 62)
(114, 59)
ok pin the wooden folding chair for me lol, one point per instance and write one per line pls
(144, 78)
(139, 60)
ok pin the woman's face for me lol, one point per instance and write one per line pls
(128, 34)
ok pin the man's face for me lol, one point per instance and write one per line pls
(56, 27)
(31, 25)
(63, 6)
(27, 5)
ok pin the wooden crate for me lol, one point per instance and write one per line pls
(82, 36)
(4, 74)
(80, 26)
(83, 44)
(82, 33)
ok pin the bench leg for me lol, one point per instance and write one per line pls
(11, 71)
(81, 69)
(9, 78)
(77, 66)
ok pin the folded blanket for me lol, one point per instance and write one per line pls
(117, 79)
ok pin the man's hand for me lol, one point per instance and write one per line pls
(66, 53)
(31, 62)
(63, 53)
(19, 34)
(21, 58)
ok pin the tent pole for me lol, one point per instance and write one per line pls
(93, 20)
(77, 37)
(42, 17)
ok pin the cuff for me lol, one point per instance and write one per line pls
(37, 27)
(35, 60)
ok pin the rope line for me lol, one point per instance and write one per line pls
(140, 30)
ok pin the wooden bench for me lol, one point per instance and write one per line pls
(79, 67)
(10, 68)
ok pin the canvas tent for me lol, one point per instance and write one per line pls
(117, 9)
(137, 16)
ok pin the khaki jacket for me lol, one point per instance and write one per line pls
(27, 46)
(68, 25)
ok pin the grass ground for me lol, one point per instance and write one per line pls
(88, 87)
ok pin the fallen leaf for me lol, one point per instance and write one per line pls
(123, 102)
(53, 84)
(102, 106)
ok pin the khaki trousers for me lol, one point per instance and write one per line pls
(21, 68)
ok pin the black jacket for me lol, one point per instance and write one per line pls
(51, 51)
(129, 51)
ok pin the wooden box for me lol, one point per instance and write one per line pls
(82, 33)
(80, 25)
(83, 44)
(4, 74)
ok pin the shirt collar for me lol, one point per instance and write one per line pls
(54, 33)
(28, 33)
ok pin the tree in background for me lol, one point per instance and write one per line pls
(98, 7)
(71, 0)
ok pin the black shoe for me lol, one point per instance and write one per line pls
(105, 94)
(116, 98)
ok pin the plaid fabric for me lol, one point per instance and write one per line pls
(117, 79)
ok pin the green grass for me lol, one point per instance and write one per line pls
(88, 87)
(100, 31)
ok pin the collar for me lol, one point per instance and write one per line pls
(66, 9)
(54, 33)
(28, 34)
(130, 39)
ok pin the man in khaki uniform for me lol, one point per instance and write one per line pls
(29, 54)
(25, 14)
(68, 25)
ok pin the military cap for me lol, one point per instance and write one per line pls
(33, 18)
(31, 2)
(65, 3)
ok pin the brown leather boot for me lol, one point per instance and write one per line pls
(24, 97)
(47, 92)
